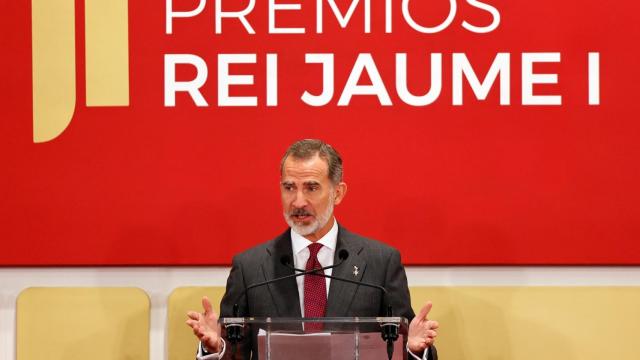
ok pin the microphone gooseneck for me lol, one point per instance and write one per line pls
(342, 256)
(234, 331)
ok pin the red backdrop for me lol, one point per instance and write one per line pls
(480, 183)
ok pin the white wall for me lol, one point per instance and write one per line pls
(159, 282)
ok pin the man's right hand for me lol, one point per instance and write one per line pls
(205, 326)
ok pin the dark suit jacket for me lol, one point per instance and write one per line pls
(377, 264)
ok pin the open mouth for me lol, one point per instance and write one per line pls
(301, 217)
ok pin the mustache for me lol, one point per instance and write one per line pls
(300, 212)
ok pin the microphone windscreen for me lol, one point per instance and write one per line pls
(285, 260)
(343, 254)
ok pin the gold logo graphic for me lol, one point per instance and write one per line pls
(54, 60)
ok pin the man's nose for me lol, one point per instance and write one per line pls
(300, 199)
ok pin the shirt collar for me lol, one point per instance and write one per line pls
(329, 240)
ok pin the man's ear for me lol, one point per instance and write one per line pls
(340, 193)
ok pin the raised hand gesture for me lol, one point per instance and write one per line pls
(205, 326)
(422, 331)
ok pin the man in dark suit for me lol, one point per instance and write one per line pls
(311, 185)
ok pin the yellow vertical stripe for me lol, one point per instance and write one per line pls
(53, 57)
(107, 52)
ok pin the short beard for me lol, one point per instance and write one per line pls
(319, 221)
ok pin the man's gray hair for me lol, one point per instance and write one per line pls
(308, 148)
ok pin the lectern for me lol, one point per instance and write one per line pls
(330, 339)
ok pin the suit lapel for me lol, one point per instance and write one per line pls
(285, 292)
(341, 293)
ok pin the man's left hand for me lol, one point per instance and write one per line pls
(422, 331)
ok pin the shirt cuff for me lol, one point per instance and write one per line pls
(425, 354)
(204, 355)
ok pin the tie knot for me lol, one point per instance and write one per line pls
(314, 248)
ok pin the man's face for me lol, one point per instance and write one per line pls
(308, 196)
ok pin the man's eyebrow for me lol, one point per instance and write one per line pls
(311, 182)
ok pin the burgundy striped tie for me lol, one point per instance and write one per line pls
(315, 290)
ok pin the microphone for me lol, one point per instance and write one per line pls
(234, 334)
(389, 331)
(342, 255)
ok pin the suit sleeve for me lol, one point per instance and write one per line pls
(234, 294)
(397, 289)
(398, 294)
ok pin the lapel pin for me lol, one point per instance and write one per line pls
(355, 271)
